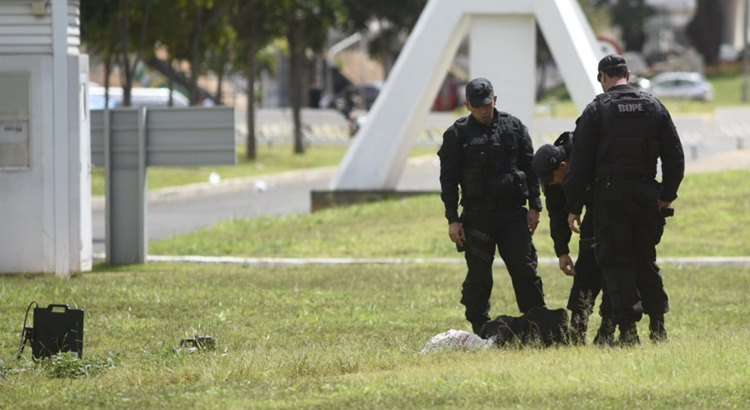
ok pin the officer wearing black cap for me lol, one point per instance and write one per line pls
(488, 156)
(618, 140)
(551, 163)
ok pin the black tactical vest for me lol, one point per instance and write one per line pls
(490, 177)
(630, 127)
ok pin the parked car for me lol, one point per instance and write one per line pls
(682, 85)
(641, 82)
(139, 97)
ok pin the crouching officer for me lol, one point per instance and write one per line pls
(618, 140)
(488, 155)
(551, 163)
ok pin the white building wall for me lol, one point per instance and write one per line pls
(45, 210)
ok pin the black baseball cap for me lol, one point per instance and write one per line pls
(479, 92)
(612, 61)
(547, 158)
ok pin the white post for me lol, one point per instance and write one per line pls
(60, 178)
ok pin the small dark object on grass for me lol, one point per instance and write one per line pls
(198, 343)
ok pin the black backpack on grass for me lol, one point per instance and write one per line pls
(539, 326)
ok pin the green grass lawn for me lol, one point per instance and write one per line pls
(271, 160)
(348, 337)
(712, 213)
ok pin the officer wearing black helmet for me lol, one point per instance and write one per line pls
(488, 155)
(551, 163)
(618, 140)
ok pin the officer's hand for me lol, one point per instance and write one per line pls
(533, 220)
(663, 204)
(456, 233)
(574, 222)
(566, 265)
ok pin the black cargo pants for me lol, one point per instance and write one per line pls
(627, 228)
(588, 282)
(508, 231)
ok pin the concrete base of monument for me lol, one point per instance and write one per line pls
(328, 199)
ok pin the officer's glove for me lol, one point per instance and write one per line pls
(566, 264)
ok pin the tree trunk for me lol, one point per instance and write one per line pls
(107, 73)
(167, 70)
(125, 70)
(170, 83)
(195, 57)
(127, 84)
(252, 62)
(704, 30)
(220, 80)
(296, 57)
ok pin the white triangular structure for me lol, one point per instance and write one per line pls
(502, 48)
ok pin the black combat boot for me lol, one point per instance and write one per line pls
(477, 326)
(657, 331)
(605, 336)
(628, 335)
(579, 323)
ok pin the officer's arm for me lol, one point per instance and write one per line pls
(526, 154)
(672, 159)
(558, 220)
(450, 171)
(581, 173)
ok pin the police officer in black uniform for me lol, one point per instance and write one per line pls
(488, 155)
(551, 163)
(618, 140)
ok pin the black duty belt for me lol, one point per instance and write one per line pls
(623, 178)
(491, 205)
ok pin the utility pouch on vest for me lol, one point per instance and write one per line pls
(519, 177)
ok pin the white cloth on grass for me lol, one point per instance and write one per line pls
(453, 340)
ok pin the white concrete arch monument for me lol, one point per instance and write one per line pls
(503, 48)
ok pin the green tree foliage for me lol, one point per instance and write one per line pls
(395, 19)
(98, 32)
(118, 30)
